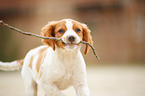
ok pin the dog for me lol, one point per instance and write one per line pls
(56, 65)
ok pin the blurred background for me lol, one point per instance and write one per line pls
(118, 30)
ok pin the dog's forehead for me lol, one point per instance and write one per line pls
(65, 22)
(68, 23)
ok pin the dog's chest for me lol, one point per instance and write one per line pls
(66, 68)
(60, 70)
(65, 80)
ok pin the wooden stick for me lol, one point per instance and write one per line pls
(93, 49)
(27, 33)
(35, 35)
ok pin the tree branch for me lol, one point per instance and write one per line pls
(35, 35)
(27, 33)
(93, 49)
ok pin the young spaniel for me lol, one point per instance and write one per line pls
(58, 64)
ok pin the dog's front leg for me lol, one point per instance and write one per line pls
(50, 89)
(79, 80)
(80, 84)
(82, 90)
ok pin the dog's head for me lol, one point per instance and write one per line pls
(70, 31)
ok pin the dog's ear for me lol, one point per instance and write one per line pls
(87, 37)
(48, 31)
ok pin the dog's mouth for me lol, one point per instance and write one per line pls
(70, 44)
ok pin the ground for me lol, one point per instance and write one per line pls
(102, 80)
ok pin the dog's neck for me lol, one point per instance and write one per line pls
(68, 53)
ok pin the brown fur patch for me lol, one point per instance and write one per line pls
(84, 34)
(42, 54)
(48, 31)
(77, 25)
(60, 25)
(40, 74)
(20, 61)
(31, 60)
(87, 37)
(51, 30)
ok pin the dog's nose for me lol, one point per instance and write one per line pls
(71, 38)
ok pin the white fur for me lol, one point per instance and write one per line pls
(10, 66)
(60, 69)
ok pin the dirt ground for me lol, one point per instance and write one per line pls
(102, 81)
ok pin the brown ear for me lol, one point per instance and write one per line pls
(87, 38)
(48, 31)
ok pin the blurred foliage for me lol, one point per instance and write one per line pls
(6, 41)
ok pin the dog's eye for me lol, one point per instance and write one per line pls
(61, 31)
(78, 30)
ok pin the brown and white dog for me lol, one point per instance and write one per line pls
(58, 64)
